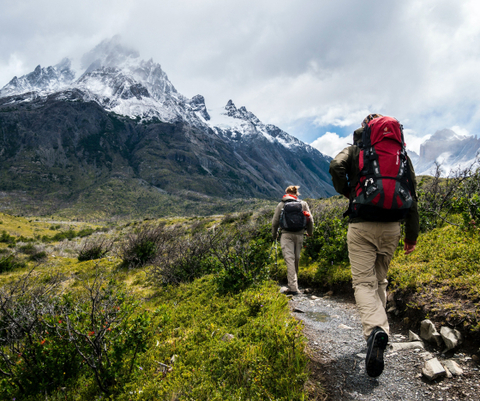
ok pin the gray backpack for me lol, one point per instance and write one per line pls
(292, 217)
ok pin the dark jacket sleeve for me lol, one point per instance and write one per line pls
(412, 221)
(276, 220)
(339, 168)
(310, 222)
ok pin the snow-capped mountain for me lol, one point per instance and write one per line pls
(452, 151)
(120, 117)
(117, 79)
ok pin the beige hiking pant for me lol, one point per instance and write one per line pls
(291, 246)
(370, 248)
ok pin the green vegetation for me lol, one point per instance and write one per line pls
(199, 319)
(188, 307)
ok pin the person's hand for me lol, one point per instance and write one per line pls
(408, 248)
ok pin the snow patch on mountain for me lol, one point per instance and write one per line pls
(117, 79)
(450, 150)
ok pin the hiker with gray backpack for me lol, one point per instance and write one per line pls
(377, 177)
(293, 217)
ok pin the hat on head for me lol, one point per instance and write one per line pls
(369, 118)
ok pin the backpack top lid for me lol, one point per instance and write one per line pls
(382, 128)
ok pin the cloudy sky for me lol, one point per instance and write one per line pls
(314, 68)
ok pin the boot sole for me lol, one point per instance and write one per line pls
(374, 363)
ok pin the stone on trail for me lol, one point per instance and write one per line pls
(453, 367)
(451, 337)
(429, 333)
(405, 346)
(433, 369)
(344, 327)
(413, 336)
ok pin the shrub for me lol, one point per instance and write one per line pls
(328, 245)
(183, 258)
(142, 247)
(243, 255)
(10, 262)
(49, 338)
(38, 256)
(7, 238)
(95, 248)
(33, 358)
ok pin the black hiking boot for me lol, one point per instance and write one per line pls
(376, 344)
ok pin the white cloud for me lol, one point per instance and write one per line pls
(460, 131)
(331, 144)
(330, 62)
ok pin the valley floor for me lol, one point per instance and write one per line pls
(337, 351)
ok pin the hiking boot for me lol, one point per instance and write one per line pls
(376, 344)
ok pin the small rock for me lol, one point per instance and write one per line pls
(329, 293)
(453, 367)
(405, 346)
(429, 333)
(283, 289)
(448, 373)
(451, 337)
(313, 297)
(228, 337)
(413, 337)
(362, 356)
(298, 310)
(307, 290)
(345, 327)
(391, 297)
(426, 355)
(391, 309)
(433, 369)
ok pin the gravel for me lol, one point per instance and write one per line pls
(337, 349)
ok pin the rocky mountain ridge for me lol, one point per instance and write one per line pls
(123, 118)
(448, 149)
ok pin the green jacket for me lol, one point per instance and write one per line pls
(278, 211)
(344, 171)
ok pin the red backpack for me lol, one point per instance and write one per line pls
(384, 191)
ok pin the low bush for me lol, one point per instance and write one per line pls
(95, 248)
(10, 262)
(145, 244)
(328, 245)
(49, 338)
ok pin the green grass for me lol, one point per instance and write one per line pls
(200, 344)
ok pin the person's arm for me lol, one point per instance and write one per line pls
(412, 221)
(339, 170)
(276, 220)
(310, 223)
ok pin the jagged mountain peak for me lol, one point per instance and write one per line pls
(109, 53)
(50, 78)
(449, 149)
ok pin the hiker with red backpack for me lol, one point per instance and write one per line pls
(377, 176)
(293, 217)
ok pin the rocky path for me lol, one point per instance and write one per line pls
(337, 350)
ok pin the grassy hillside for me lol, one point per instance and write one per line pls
(148, 327)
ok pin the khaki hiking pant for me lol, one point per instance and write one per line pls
(291, 244)
(370, 248)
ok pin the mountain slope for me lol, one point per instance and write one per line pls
(64, 142)
(450, 150)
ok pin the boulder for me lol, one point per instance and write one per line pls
(413, 337)
(405, 346)
(433, 369)
(451, 337)
(429, 333)
(453, 367)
